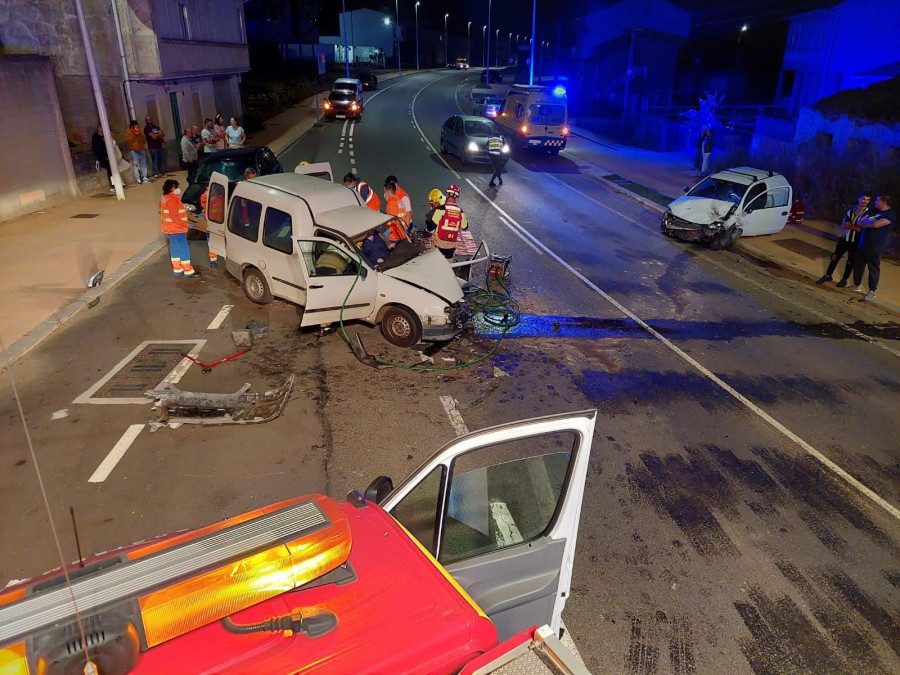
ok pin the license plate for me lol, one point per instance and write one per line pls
(534, 142)
(339, 115)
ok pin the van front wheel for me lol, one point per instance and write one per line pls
(401, 327)
(255, 287)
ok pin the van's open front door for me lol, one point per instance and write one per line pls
(499, 509)
(331, 271)
(216, 213)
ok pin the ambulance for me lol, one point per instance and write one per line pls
(535, 118)
(449, 572)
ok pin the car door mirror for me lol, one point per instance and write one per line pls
(378, 489)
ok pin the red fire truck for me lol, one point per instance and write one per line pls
(449, 572)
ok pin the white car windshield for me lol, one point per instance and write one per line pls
(721, 190)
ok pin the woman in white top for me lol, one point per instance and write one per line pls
(219, 129)
(235, 134)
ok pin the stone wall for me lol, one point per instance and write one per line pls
(844, 134)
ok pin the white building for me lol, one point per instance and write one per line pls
(371, 37)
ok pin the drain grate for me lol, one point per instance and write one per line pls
(804, 248)
(147, 367)
(86, 215)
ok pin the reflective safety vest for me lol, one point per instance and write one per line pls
(393, 208)
(495, 145)
(172, 215)
(452, 221)
(403, 195)
(372, 200)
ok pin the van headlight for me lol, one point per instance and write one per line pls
(473, 147)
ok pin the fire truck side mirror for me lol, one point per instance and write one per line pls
(378, 489)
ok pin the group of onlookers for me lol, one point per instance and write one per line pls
(147, 146)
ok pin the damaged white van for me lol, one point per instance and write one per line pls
(727, 205)
(298, 238)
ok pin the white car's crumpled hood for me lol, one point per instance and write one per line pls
(430, 271)
(700, 210)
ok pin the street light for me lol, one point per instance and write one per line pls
(487, 58)
(497, 48)
(397, 30)
(483, 54)
(446, 52)
(417, 34)
(346, 48)
(468, 41)
(510, 48)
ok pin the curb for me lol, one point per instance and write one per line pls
(47, 327)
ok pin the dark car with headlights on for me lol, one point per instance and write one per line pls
(369, 81)
(343, 104)
(232, 163)
(466, 136)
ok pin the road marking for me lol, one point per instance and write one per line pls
(60, 414)
(341, 151)
(412, 111)
(352, 127)
(506, 532)
(718, 265)
(731, 391)
(352, 162)
(176, 374)
(118, 451)
(520, 235)
(341, 144)
(350, 153)
(344, 129)
(459, 425)
(220, 317)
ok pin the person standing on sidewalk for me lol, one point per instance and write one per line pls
(495, 155)
(707, 151)
(876, 228)
(137, 143)
(698, 158)
(208, 136)
(156, 139)
(848, 241)
(189, 155)
(174, 223)
(219, 129)
(235, 134)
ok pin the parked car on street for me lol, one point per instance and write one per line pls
(489, 75)
(489, 107)
(461, 64)
(343, 104)
(231, 163)
(369, 81)
(737, 202)
(466, 136)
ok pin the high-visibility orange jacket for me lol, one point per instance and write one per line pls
(172, 215)
(372, 200)
(393, 208)
(406, 201)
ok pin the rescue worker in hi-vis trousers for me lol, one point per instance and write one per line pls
(446, 222)
(213, 258)
(174, 223)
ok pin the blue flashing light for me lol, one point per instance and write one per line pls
(559, 91)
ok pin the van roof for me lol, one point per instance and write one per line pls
(744, 175)
(321, 195)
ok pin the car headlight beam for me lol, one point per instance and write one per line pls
(472, 147)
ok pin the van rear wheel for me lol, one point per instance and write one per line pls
(255, 287)
(401, 327)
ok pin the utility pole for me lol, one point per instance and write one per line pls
(483, 54)
(468, 41)
(533, 30)
(487, 57)
(108, 140)
(397, 28)
(446, 45)
(346, 48)
(417, 34)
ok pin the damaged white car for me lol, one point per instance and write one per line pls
(727, 205)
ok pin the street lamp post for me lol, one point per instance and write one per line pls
(509, 56)
(397, 30)
(446, 46)
(533, 31)
(483, 54)
(487, 45)
(346, 48)
(468, 41)
(497, 48)
(517, 51)
(417, 34)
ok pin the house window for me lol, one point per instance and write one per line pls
(185, 24)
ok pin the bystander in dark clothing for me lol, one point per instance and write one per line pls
(98, 145)
(189, 155)
(698, 158)
(848, 241)
(876, 228)
(156, 139)
(707, 151)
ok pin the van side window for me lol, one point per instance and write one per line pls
(326, 260)
(519, 109)
(277, 230)
(215, 204)
(243, 220)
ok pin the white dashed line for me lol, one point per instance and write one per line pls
(220, 317)
(352, 127)
(351, 153)
(344, 129)
(459, 425)
(118, 451)
(731, 391)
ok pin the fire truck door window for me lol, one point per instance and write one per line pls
(504, 494)
(419, 510)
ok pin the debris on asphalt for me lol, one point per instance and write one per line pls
(258, 329)
(173, 406)
(243, 337)
(207, 367)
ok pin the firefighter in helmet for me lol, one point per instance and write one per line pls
(446, 222)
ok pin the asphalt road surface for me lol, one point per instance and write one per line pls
(740, 514)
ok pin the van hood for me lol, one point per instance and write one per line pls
(430, 271)
(700, 210)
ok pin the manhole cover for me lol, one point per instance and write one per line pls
(86, 215)
(804, 248)
(146, 367)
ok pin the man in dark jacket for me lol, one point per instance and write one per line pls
(847, 243)
(98, 145)
(876, 228)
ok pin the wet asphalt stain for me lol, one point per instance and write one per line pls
(865, 605)
(893, 577)
(891, 385)
(652, 637)
(853, 644)
(830, 498)
(830, 539)
(687, 491)
(783, 638)
(749, 472)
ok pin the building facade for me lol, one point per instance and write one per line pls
(180, 61)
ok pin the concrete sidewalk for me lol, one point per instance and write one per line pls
(656, 178)
(47, 256)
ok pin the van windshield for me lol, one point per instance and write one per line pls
(545, 113)
(721, 190)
